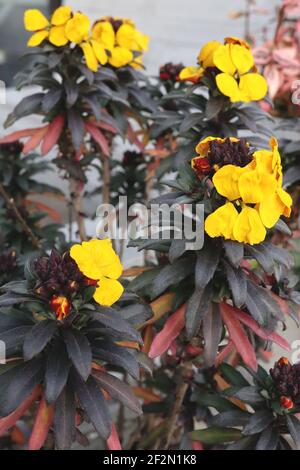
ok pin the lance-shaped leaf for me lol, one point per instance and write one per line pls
(113, 442)
(136, 314)
(42, 424)
(238, 284)
(249, 394)
(117, 355)
(259, 421)
(262, 332)
(79, 351)
(38, 337)
(234, 252)
(64, 419)
(262, 305)
(99, 137)
(231, 418)
(171, 330)
(294, 428)
(14, 337)
(94, 404)
(212, 331)
(18, 135)
(171, 274)
(112, 319)
(268, 439)
(206, 265)
(17, 384)
(118, 390)
(233, 376)
(198, 307)
(238, 336)
(54, 131)
(28, 105)
(10, 420)
(76, 126)
(57, 371)
(216, 435)
(35, 140)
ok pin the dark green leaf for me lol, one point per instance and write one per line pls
(294, 428)
(79, 351)
(198, 307)
(17, 384)
(94, 404)
(216, 435)
(258, 422)
(268, 439)
(234, 252)
(57, 371)
(38, 337)
(238, 284)
(64, 419)
(118, 390)
(212, 332)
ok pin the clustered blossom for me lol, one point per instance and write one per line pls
(170, 72)
(113, 41)
(286, 378)
(62, 277)
(234, 69)
(251, 184)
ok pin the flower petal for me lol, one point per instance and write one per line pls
(34, 20)
(108, 292)
(203, 147)
(37, 38)
(228, 86)
(77, 29)
(191, 73)
(206, 55)
(253, 186)
(90, 56)
(249, 227)
(61, 16)
(226, 181)
(270, 209)
(221, 222)
(97, 258)
(57, 36)
(120, 57)
(103, 32)
(253, 87)
(223, 61)
(99, 52)
(125, 36)
(242, 58)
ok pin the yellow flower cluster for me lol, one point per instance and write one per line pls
(254, 193)
(113, 41)
(237, 77)
(98, 261)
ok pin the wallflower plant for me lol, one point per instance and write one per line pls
(218, 99)
(62, 338)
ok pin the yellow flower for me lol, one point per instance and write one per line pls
(54, 31)
(98, 261)
(248, 227)
(206, 55)
(235, 60)
(191, 74)
(258, 183)
(77, 29)
(128, 37)
(221, 222)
